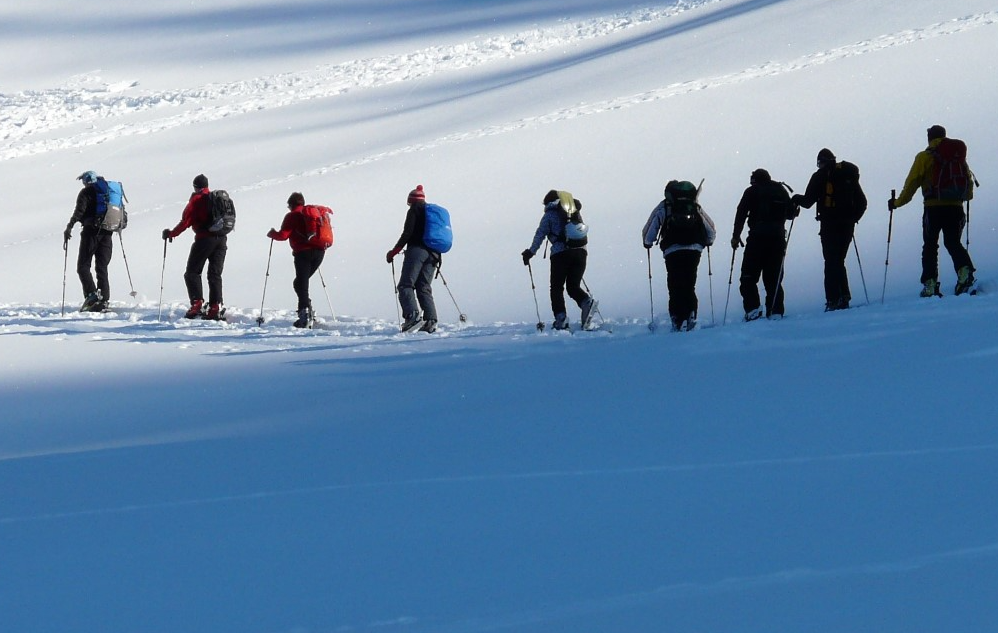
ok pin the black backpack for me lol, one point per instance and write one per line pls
(222, 213)
(683, 222)
(575, 233)
(844, 199)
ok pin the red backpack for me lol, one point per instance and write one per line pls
(318, 227)
(950, 173)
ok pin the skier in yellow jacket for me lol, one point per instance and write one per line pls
(944, 190)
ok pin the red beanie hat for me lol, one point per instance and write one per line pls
(416, 194)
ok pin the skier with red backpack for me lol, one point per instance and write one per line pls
(941, 171)
(310, 233)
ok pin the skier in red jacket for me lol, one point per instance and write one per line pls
(307, 252)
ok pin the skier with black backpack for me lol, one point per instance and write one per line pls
(562, 225)
(841, 203)
(212, 216)
(766, 206)
(682, 230)
(310, 233)
(941, 171)
(100, 209)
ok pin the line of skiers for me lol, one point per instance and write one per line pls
(678, 224)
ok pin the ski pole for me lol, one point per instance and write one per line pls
(537, 308)
(783, 262)
(398, 306)
(328, 302)
(259, 319)
(861, 276)
(731, 274)
(651, 294)
(129, 272)
(968, 225)
(65, 263)
(162, 277)
(462, 317)
(890, 226)
(710, 286)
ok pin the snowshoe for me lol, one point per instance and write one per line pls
(560, 321)
(753, 315)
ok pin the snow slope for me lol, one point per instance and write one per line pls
(829, 472)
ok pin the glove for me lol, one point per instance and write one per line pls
(797, 199)
(272, 233)
(796, 212)
(391, 254)
(891, 204)
(166, 235)
(526, 254)
(67, 234)
(736, 241)
(647, 246)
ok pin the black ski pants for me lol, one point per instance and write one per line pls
(836, 237)
(210, 249)
(306, 263)
(681, 278)
(567, 270)
(96, 247)
(763, 257)
(950, 220)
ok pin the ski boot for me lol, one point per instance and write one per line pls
(930, 289)
(93, 303)
(215, 312)
(305, 318)
(965, 281)
(560, 321)
(412, 322)
(430, 326)
(196, 309)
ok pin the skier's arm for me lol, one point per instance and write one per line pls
(187, 219)
(286, 229)
(708, 224)
(916, 176)
(407, 230)
(543, 228)
(649, 234)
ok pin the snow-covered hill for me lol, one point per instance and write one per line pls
(829, 472)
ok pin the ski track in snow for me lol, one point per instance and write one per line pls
(86, 100)
(788, 462)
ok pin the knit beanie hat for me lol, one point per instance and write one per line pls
(200, 181)
(936, 131)
(550, 197)
(760, 175)
(416, 195)
(295, 200)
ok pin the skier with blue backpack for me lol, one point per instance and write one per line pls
(100, 209)
(427, 234)
(564, 228)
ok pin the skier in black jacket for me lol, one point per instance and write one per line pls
(841, 203)
(96, 246)
(766, 206)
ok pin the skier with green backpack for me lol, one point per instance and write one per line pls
(682, 229)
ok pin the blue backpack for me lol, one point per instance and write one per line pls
(437, 233)
(111, 214)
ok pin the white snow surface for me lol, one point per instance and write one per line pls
(823, 473)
